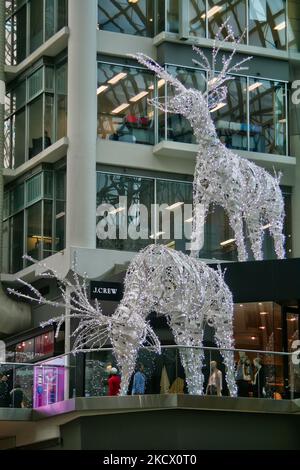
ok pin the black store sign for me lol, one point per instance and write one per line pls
(106, 290)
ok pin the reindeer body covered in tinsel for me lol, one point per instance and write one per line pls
(248, 193)
(185, 290)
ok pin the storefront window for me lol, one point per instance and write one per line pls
(220, 11)
(293, 26)
(124, 113)
(127, 17)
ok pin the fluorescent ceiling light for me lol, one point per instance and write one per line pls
(212, 11)
(101, 89)
(160, 83)
(227, 242)
(117, 78)
(120, 108)
(138, 96)
(115, 211)
(60, 215)
(262, 327)
(213, 80)
(219, 106)
(174, 206)
(155, 235)
(292, 319)
(264, 313)
(132, 1)
(280, 26)
(188, 221)
(264, 227)
(254, 86)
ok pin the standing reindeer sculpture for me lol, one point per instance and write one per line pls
(185, 290)
(247, 192)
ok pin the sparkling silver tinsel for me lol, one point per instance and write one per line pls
(248, 193)
(185, 290)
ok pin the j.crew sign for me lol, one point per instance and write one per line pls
(106, 290)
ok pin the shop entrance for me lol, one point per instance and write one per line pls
(290, 334)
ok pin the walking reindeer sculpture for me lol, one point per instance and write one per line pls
(247, 192)
(185, 290)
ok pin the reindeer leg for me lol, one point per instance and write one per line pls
(256, 236)
(236, 223)
(276, 229)
(224, 339)
(199, 215)
(191, 358)
(126, 363)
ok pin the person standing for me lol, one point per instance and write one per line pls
(16, 396)
(114, 382)
(4, 392)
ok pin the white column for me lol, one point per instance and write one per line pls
(294, 128)
(82, 124)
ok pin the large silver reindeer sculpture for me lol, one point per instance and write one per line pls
(249, 194)
(185, 290)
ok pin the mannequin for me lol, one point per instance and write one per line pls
(214, 386)
(259, 378)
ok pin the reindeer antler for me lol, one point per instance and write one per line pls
(158, 69)
(215, 79)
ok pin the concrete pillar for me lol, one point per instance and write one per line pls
(82, 125)
(295, 151)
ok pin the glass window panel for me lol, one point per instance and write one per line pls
(35, 83)
(123, 17)
(19, 138)
(62, 13)
(128, 220)
(49, 79)
(34, 231)
(60, 225)
(197, 18)
(49, 18)
(19, 36)
(293, 25)
(172, 16)
(35, 127)
(267, 23)
(231, 120)
(18, 97)
(36, 24)
(6, 204)
(60, 185)
(61, 100)
(267, 117)
(5, 246)
(123, 110)
(216, 231)
(16, 242)
(34, 188)
(25, 351)
(17, 198)
(179, 128)
(48, 184)
(174, 223)
(47, 235)
(48, 121)
(7, 143)
(219, 11)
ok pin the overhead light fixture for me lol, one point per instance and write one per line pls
(259, 303)
(139, 96)
(156, 235)
(188, 221)
(174, 206)
(280, 26)
(227, 242)
(241, 305)
(116, 211)
(253, 338)
(264, 313)
(264, 227)
(160, 83)
(292, 319)
(212, 81)
(212, 12)
(219, 106)
(120, 108)
(117, 78)
(101, 88)
(133, 1)
(262, 327)
(254, 86)
(60, 215)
